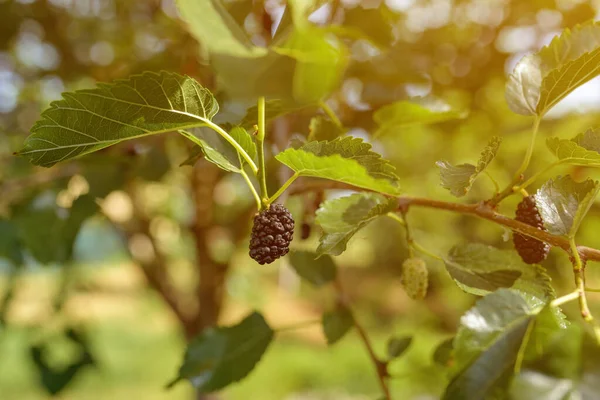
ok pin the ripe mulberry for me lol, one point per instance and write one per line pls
(531, 250)
(415, 278)
(272, 232)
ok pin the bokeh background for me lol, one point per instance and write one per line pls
(102, 328)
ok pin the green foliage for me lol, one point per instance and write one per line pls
(489, 339)
(223, 355)
(89, 120)
(458, 179)
(581, 150)
(219, 151)
(336, 324)
(348, 160)
(49, 232)
(396, 346)
(322, 128)
(540, 80)
(341, 218)
(10, 245)
(481, 269)
(426, 110)
(318, 271)
(563, 203)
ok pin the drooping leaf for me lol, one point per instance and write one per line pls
(336, 324)
(373, 24)
(212, 25)
(540, 80)
(422, 110)
(220, 152)
(458, 179)
(563, 203)
(480, 269)
(10, 244)
(317, 271)
(341, 218)
(224, 355)
(322, 128)
(89, 120)
(396, 346)
(488, 342)
(347, 159)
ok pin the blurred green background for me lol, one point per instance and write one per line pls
(457, 50)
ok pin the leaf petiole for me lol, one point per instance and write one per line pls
(260, 139)
(284, 187)
(252, 188)
(331, 114)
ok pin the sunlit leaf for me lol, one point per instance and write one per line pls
(341, 218)
(421, 110)
(568, 151)
(322, 128)
(540, 80)
(488, 342)
(458, 179)
(88, 120)
(224, 355)
(347, 159)
(373, 24)
(480, 269)
(317, 271)
(336, 324)
(212, 25)
(563, 203)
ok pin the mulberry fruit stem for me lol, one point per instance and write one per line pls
(283, 187)
(260, 139)
(252, 189)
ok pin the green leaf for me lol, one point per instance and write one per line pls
(373, 24)
(321, 60)
(396, 346)
(589, 140)
(540, 80)
(347, 159)
(322, 128)
(444, 353)
(488, 342)
(212, 25)
(89, 120)
(49, 232)
(219, 151)
(341, 218)
(317, 271)
(563, 203)
(274, 108)
(568, 151)
(458, 179)
(417, 111)
(480, 269)
(10, 244)
(336, 324)
(224, 355)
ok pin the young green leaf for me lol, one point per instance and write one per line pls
(219, 151)
(347, 159)
(341, 218)
(567, 151)
(317, 271)
(563, 203)
(212, 25)
(417, 111)
(224, 355)
(480, 269)
(89, 120)
(458, 179)
(488, 342)
(396, 346)
(589, 140)
(320, 63)
(540, 80)
(322, 128)
(336, 324)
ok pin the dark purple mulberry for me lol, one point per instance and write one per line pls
(531, 250)
(272, 232)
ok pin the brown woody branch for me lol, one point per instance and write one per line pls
(481, 210)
